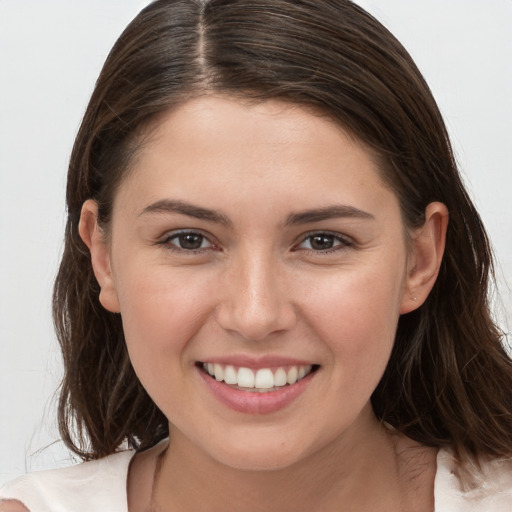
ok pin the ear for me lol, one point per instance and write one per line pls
(425, 257)
(94, 237)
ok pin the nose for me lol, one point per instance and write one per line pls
(256, 298)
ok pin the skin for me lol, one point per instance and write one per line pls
(12, 506)
(257, 286)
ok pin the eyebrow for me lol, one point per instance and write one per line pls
(184, 208)
(327, 212)
(176, 207)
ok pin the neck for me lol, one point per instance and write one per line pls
(340, 473)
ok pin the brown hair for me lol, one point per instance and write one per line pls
(449, 380)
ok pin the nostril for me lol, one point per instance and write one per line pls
(255, 322)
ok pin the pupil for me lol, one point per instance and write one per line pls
(191, 241)
(322, 242)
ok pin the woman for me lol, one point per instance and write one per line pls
(274, 285)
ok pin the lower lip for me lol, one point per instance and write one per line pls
(254, 402)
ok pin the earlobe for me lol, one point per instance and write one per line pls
(93, 236)
(428, 243)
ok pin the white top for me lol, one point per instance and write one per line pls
(101, 485)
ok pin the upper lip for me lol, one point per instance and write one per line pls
(256, 362)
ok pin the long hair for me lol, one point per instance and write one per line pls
(449, 380)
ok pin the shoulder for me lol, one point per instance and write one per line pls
(473, 489)
(79, 488)
(12, 506)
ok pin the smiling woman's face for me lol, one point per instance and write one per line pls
(259, 244)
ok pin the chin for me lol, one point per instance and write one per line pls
(258, 454)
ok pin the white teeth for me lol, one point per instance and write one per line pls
(264, 379)
(291, 376)
(280, 377)
(219, 372)
(261, 380)
(245, 378)
(230, 375)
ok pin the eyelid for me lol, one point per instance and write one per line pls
(166, 240)
(346, 241)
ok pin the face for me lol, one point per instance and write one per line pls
(256, 246)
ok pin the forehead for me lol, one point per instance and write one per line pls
(213, 114)
(214, 146)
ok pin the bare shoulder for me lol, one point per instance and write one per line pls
(12, 506)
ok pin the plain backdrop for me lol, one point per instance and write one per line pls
(50, 55)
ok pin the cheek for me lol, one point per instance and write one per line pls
(356, 314)
(161, 312)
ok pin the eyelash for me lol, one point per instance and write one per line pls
(343, 242)
(176, 235)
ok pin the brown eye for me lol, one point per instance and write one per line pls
(188, 241)
(324, 242)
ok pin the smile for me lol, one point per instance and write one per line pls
(258, 386)
(262, 380)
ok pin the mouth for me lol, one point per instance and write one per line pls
(261, 380)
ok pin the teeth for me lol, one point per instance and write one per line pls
(291, 376)
(245, 378)
(280, 377)
(264, 379)
(261, 380)
(219, 372)
(230, 375)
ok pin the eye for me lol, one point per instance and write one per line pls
(187, 241)
(324, 242)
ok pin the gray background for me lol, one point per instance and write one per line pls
(50, 55)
